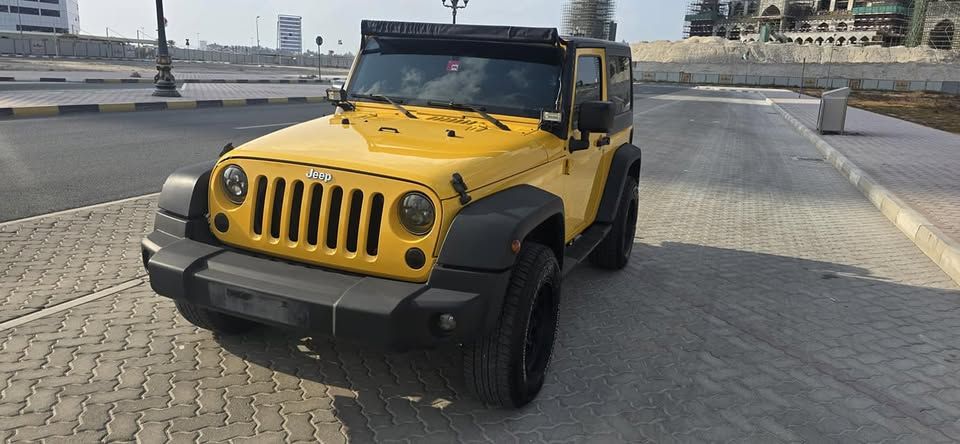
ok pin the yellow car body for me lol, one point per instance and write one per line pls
(415, 221)
(381, 151)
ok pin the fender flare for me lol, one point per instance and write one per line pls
(481, 235)
(185, 191)
(626, 163)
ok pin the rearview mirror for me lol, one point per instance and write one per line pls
(594, 117)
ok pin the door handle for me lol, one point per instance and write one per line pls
(603, 141)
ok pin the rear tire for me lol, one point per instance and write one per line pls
(508, 367)
(214, 321)
(614, 251)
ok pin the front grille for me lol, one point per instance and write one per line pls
(317, 216)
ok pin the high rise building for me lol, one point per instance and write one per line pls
(290, 34)
(53, 16)
(828, 22)
(590, 18)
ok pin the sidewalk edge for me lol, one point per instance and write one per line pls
(937, 245)
(54, 110)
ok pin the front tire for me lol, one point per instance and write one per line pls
(508, 367)
(614, 251)
(214, 321)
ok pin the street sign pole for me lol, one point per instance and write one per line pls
(319, 62)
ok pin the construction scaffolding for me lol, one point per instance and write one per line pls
(590, 18)
(702, 16)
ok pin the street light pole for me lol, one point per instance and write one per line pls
(258, 40)
(164, 83)
(454, 5)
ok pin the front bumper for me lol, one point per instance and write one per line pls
(389, 313)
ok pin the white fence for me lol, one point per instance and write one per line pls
(72, 47)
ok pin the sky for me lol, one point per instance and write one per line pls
(233, 22)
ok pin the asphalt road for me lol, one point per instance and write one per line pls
(52, 164)
(766, 301)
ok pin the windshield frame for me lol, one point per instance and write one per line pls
(515, 52)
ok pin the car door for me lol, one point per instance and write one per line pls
(582, 181)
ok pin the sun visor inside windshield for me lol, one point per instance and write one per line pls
(460, 32)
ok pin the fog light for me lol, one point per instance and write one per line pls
(221, 222)
(415, 258)
(447, 322)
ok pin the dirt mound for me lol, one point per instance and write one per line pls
(720, 50)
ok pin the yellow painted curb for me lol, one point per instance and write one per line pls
(51, 110)
(278, 100)
(182, 104)
(117, 107)
(234, 102)
(112, 81)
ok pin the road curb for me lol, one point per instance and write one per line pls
(937, 245)
(54, 110)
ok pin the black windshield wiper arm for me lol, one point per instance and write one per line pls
(474, 108)
(383, 98)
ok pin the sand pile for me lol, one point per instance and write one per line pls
(696, 50)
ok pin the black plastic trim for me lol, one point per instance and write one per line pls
(627, 158)
(481, 235)
(384, 312)
(185, 191)
(459, 32)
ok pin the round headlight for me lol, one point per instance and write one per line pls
(234, 182)
(416, 213)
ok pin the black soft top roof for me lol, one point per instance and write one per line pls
(515, 34)
(485, 33)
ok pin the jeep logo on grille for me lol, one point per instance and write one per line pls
(317, 175)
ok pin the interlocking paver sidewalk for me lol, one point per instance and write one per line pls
(920, 165)
(193, 91)
(755, 310)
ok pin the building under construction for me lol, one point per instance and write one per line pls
(828, 22)
(590, 18)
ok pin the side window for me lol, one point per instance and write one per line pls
(619, 83)
(589, 85)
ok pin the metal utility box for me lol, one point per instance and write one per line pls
(833, 111)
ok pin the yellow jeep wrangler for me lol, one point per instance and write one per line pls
(465, 170)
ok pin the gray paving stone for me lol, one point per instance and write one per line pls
(767, 301)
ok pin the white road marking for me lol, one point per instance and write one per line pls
(70, 304)
(655, 108)
(762, 102)
(740, 88)
(266, 126)
(89, 207)
(797, 101)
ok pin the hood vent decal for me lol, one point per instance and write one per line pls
(472, 125)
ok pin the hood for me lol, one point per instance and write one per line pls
(427, 150)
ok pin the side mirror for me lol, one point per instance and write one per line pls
(594, 117)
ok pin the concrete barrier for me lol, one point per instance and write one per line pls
(947, 87)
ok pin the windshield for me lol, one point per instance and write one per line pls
(510, 79)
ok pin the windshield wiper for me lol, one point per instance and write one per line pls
(383, 98)
(474, 108)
